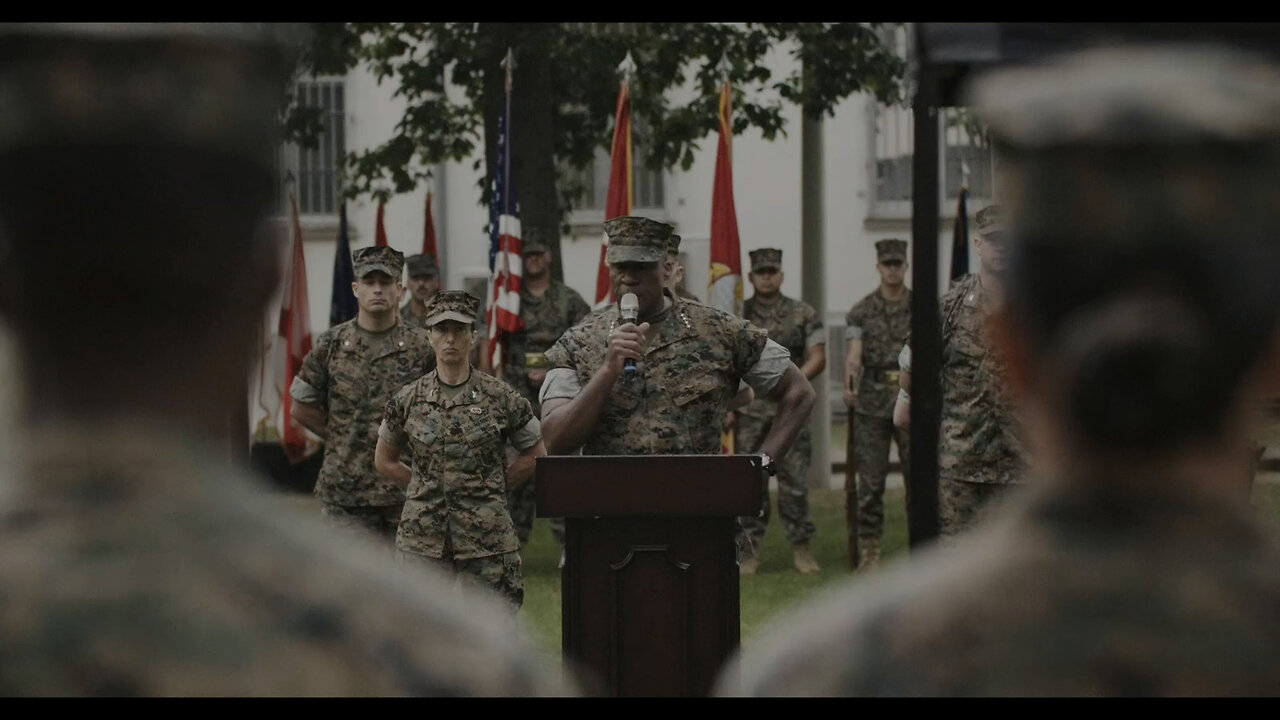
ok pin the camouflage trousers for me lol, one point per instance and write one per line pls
(871, 437)
(793, 487)
(499, 574)
(522, 504)
(961, 505)
(381, 520)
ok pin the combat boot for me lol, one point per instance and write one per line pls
(804, 560)
(748, 566)
(870, 554)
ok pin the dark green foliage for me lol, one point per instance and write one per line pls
(581, 60)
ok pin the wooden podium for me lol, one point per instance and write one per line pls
(650, 582)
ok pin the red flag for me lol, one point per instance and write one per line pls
(725, 289)
(380, 233)
(294, 336)
(429, 233)
(618, 201)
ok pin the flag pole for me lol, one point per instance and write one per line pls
(619, 198)
(496, 342)
(510, 64)
(627, 69)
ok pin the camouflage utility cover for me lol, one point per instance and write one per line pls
(423, 264)
(765, 258)
(378, 258)
(636, 239)
(891, 249)
(989, 220)
(452, 305)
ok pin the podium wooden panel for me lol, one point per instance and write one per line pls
(650, 582)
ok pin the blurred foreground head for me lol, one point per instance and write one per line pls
(136, 165)
(1140, 189)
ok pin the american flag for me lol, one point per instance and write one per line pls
(505, 267)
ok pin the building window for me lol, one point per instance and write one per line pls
(647, 192)
(965, 156)
(964, 152)
(316, 172)
(646, 184)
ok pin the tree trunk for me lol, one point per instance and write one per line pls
(532, 145)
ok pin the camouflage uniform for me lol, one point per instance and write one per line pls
(673, 253)
(412, 317)
(350, 373)
(980, 456)
(882, 327)
(794, 325)
(1089, 593)
(676, 403)
(545, 319)
(136, 562)
(693, 361)
(422, 264)
(456, 508)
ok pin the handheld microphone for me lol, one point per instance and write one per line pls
(629, 310)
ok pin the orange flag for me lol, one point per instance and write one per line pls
(380, 233)
(618, 201)
(429, 233)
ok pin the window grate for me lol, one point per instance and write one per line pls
(317, 171)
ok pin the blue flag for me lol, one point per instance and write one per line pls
(343, 306)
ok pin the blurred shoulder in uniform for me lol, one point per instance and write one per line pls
(1139, 328)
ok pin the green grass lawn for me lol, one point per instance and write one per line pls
(777, 587)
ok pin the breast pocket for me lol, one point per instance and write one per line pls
(346, 396)
(476, 449)
(424, 431)
(699, 403)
